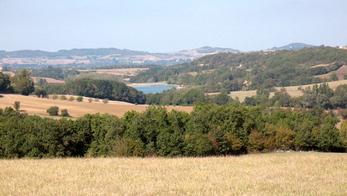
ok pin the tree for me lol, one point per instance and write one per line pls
(222, 98)
(5, 83)
(22, 82)
(53, 111)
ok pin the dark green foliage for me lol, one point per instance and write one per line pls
(5, 83)
(178, 97)
(104, 89)
(208, 130)
(53, 111)
(22, 82)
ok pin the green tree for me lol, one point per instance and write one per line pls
(22, 82)
(5, 83)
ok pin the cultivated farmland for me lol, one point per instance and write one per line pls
(257, 174)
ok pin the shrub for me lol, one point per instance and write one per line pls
(96, 100)
(53, 111)
(64, 113)
(63, 97)
(55, 97)
(90, 100)
(105, 101)
(16, 105)
(79, 98)
(256, 141)
(72, 98)
(41, 93)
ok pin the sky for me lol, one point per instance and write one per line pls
(170, 25)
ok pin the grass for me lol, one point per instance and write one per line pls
(291, 173)
(38, 106)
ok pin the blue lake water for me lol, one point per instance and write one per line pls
(155, 88)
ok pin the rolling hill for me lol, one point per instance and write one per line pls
(292, 46)
(252, 70)
(102, 57)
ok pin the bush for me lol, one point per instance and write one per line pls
(64, 113)
(72, 98)
(105, 101)
(41, 93)
(90, 100)
(63, 97)
(53, 111)
(79, 98)
(96, 100)
(55, 97)
(16, 105)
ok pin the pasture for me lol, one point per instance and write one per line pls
(289, 173)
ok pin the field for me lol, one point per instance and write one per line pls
(118, 72)
(291, 90)
(290, 173)
(49, 80)
(38, 106)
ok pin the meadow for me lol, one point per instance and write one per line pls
(287, 173)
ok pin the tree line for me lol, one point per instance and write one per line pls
(208, 130)
(23, 83)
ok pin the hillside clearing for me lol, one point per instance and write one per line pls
(38, 106)
(291, 173)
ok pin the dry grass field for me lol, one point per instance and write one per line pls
(38, 106)
(49, 80)
(118, 72)
(291, 90)
(258, 174)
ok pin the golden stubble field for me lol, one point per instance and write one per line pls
(290, 173)
(38, 106)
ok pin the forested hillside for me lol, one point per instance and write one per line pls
(245, 71)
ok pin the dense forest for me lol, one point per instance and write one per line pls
(253, 70)
(208, 130)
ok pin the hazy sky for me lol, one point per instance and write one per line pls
(170, 25)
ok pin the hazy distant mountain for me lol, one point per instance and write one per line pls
(103, 57)
(292, 46)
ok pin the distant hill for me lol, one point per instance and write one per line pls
(292, 46)
(103, 57)
(252, 70)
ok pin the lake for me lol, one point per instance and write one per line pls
(153, 88)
